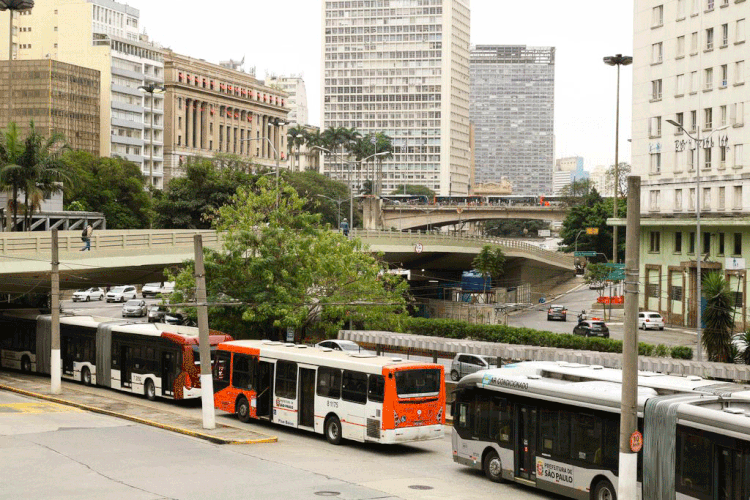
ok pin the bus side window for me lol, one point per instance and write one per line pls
(221, 370)
(354, 387)
(695, 465)
(376, 388)
(286, 379)
(548, 430)
(464, 420)
(329, 382)
(242, 369)
(586, 440)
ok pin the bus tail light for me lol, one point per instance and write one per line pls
(188, 382)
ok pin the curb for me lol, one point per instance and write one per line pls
(167, 427)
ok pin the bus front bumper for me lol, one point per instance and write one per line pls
(408, 434)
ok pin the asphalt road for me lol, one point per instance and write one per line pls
(58, 452)
(101, 308)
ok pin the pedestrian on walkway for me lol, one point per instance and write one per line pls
(86, 237)
(345, 227)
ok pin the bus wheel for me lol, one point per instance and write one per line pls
(454, 376)
(242, 409)
(85, 376)
(25, 364)
(333, 430)
(604, 491)
(150, 390)
(493, 467)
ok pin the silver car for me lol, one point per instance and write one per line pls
(463, 364)
(136, 307)
(93, 293)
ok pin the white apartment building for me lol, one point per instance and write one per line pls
(400, 68)
(102, 35)
(599, 181)
(691, 66)
(294, 86)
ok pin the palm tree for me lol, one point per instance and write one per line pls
(297, 136)
(313, 139)
(43, 170)
(335, 138)
(490, 262)
(718, 317)
(11, 150)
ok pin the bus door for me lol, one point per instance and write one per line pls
(68, 352)
(728, 474)
(126, 360)
(168, 365)
(306, 413)
(264, 390)
(526, 443)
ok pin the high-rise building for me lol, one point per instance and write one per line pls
(294, 86)
(400, 68)
(567, 171)
(102, 35)
(600, 182)
(214, 109)
(690, 66)
(512, 109)
(59, 98)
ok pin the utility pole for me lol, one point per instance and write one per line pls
(55, 366)
(630, 438)
(207, 383)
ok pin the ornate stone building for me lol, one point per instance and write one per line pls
(210, 109)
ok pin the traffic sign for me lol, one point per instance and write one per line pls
(586, 253)
(418, 248)
(592, 230)
(636, 442)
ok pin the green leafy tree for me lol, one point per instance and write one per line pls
(576, 191)
(11, 171)
(414, 190)
(592, 212)
(490, 262)
(622, 178)
(515, 228)
(296, 138)
(113, 186)
(318, 193)
(288, 271)
(718, 318)
(596, 274)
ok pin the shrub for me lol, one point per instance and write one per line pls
(682, 352)
(661, 351)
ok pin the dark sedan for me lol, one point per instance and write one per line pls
(591, 328)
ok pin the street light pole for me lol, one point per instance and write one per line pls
(338, 203)
(617, 60)
(699, 249)
(12, 6)
(151, 89)
(276, 153)
(351, 190)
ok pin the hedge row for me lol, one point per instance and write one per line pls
(455, 329)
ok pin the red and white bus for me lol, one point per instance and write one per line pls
(153, 359)
(359, 396)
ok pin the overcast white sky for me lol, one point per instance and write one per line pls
(283, 37)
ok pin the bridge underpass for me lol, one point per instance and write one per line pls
(140, 256)
(402, 217)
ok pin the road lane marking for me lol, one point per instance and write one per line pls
(16, 408)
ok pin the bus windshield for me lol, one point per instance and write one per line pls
(417, 383)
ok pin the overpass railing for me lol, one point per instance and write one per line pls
(38, 242)
(452, 238)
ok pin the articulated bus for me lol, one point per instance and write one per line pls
(555, 426)
(359, 396)
(153, 359)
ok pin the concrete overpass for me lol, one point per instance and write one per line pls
(139, 256)
(377, 215)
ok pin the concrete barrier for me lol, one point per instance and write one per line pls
(447, 348)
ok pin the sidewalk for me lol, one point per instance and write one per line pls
(133, 408)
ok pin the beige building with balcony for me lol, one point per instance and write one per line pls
(210, 109)
(58, 97)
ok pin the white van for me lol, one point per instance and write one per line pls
(154, 289)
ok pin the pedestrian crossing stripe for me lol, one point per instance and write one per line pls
(40, 407)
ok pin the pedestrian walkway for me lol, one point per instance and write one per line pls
(132, 408)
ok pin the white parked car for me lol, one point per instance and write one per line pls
(121, 293)
(648, 320)
(93, 293)
(343, 345)
(154, 289)
(464, 364)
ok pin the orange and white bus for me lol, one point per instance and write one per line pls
(359, 396)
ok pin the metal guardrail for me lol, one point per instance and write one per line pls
(425, 344)
(40, 242)
(451, 238)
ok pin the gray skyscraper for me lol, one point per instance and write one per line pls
(400, 67)
(512, 109)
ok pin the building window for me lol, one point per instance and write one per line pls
(708, 118)
(738, 156)
(680, 46)
(709, 4)
(678, 242)
(724, 75)
(654, 200)
(706, 242)
(657, 53)
(693, 121)
(694, 43)
(693, 82)
(737, 116)
(708, 78)
(707, 158)
(680, 118)
(722, 197)
(723, 115)
(737, 200)
(655, 127)
(690, 159)
(652, 290)
(691, 243)
(706, 201)
(709, 39)
(737, 244)
(680, 85)
(724, 35)
(680, 9)
(739, 31)
(655, 241)
(721, 243)
(739, 72)
(655, 164)
(676, 293)
(691, 199)
(656, 89)
(657, 16)
(678, 199)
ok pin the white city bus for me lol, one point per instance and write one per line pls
(357, 396)
(555, 426)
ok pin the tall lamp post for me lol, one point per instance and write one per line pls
(338, 202)
(617, 60)
(699, 248)
(351, 189)
(276, 155)
(12, 6)
(151, 89)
